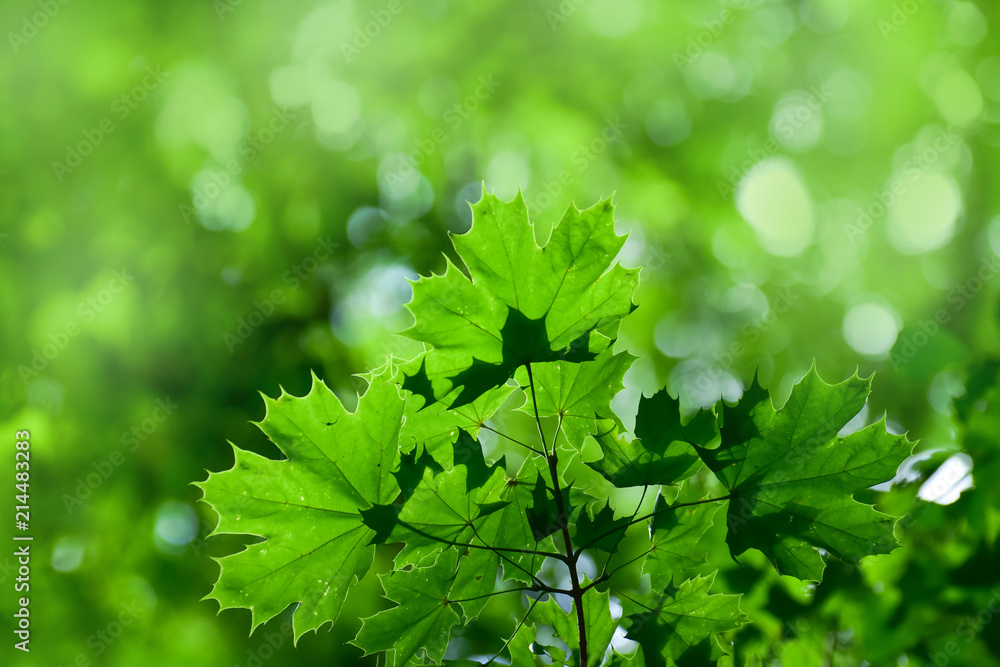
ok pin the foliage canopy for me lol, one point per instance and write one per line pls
(532, 329)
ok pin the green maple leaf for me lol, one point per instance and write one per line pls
(307, 507)
(676, 539)
(434, 428)
(475, 581)
(793, 480)
(425, 615)
(468, 452)
(524, 303)
(513, 526)
(598, 624)
(544, 516)
(663, 451)
(444, 509)
(635, 659)
(521, 647)
(596, 532)
(682, 622)
(578, 393)
(411, 471)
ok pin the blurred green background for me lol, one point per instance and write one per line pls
(200, 200)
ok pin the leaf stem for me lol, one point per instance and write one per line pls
(510, 590)
(631, 599)
(538, 420)
(539, 584)
(520, 623)
(453, 543)
(642, 498)
(514, 440)
(614, 570)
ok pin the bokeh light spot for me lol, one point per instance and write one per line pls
(958, 97)
(966, 24)
(923, 217)
(614, 18)
(871, 328)
(774, 200)
(176, 526)
(949, 481)
(67, 554)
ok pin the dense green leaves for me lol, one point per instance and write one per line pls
(442, 510)
(434, 428)
(602, 531)
(793, 480)
(676, 541)
(683, 621)
(579, 394)
(662, 452)
(466, 513)
(424, 617)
